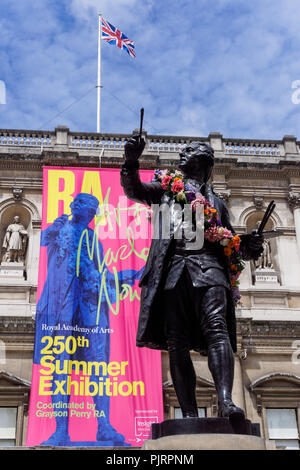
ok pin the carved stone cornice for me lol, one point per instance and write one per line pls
(34, 159)
(27, 181)
(266, 337)
(280, 329)
(266, 172)
(16, 325)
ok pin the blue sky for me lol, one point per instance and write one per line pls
(200, 66)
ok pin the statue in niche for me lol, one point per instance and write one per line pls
(15, 242)
(265, 259)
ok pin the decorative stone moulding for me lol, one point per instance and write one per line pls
(294, 200)
(17, 193)
(258, 201)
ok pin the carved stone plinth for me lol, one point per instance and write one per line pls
(205, 434)
(204, 426)
(266, 277)
(12, 270)
(209, 442)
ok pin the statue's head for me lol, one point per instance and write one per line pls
(16, 219)
(84, 207)
(197, 159)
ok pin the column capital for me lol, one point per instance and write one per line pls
(294, 200)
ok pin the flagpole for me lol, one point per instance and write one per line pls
(99, 73)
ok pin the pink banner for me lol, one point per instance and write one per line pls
(91, 386)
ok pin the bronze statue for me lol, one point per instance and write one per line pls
(186, 298)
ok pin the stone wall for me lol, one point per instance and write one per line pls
(248, 174)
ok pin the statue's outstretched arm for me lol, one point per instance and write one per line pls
(144, 193)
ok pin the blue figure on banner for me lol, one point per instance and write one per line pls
(71, 297)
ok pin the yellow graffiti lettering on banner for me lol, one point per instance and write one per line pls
(122, 253)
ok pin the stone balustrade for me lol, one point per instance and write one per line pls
(253, 147)
(26, 138)
(62, 139)
(171, 144)
(97, 141)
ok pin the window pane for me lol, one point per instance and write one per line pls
(288, 444)
(178, 413)
(8, 418)
(7, 442)
(282, 423)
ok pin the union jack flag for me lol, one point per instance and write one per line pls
(114, 36)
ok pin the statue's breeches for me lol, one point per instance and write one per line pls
(192, 312)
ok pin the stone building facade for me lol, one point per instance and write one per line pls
(248, 174)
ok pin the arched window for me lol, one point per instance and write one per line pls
(277, 397)
(14, 399)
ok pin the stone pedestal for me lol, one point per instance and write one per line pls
(209, 442)
(172, 427)
(206, 434)
(266, 277)
(12, 270)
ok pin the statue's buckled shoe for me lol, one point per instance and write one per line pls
(227, 409)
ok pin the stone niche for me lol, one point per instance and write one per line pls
(16, 269)
(264, 271)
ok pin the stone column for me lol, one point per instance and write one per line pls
(294, 203)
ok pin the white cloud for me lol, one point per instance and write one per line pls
(225, 66)
(119, 12)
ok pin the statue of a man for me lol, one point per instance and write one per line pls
(186, 298)
(265, 259)
(14, 241)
